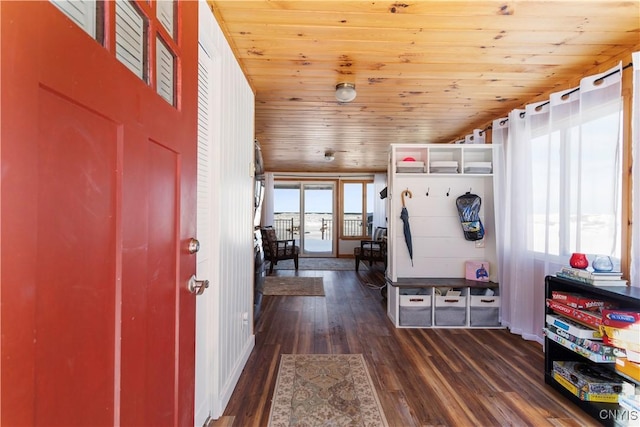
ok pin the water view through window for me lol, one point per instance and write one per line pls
(318, 225)
(313, 230)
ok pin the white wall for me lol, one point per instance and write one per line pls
(439, 246)
(235, 219)
(232, 123)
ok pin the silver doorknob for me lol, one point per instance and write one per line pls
(197, 286)
(194, 245)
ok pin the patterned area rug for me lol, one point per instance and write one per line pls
(320, 264)
(325, 390)
(305, 286)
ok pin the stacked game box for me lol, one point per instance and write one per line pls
(621, 328)
(589, 318)
(591, 382)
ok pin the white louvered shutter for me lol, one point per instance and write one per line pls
(166, 15)
(204, 222)
(82, 12)
(165, 69)
(130, 36)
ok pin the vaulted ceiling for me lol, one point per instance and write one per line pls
(425, 71)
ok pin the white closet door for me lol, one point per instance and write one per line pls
(207, 393)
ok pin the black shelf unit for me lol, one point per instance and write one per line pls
(608, 414)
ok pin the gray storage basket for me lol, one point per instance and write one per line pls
(484, 316)
(451, 316)
(415, 316)
(484, 310)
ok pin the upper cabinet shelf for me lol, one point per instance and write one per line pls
(442, 159)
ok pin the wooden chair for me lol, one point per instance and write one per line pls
(372, 250)
(276, 250)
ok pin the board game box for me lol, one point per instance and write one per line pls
(592, 319)
(594, 357)
(573, 328)
(580, 302)
(630, 369)
(593, 379)
(621, 319)
(595, 346)
(608, 398)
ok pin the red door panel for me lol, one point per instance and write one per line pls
(75, 278)
(149, 323)
(97, 204)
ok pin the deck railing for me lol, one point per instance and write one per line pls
(352, 227)
(284, 228)
(287, 229)
(326, 229)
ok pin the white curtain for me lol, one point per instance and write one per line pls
(558, 186)
(267, 205)
(598, 160)
(500, 135)
(515, 271)
(379, 205)
(635, 143)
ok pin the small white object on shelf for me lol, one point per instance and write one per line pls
(409, 166)
(444, 166)
(477, 167)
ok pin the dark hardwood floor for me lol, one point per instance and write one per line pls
(424, 377)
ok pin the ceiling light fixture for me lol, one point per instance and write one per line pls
(345, 92)
(329, 156)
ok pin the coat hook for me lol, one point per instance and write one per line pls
(428, 188)
(448, 191)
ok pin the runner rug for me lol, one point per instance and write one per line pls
(325, 390)
(320, 264)
(305, 286)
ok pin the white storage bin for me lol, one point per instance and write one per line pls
(485, 301)
(450, 310)
(477, 167)
(410, 167)
(415, 300)
(444, 166)
(415, 308)
(484, 310)
(410, 163)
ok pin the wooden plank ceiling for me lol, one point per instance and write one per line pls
(425, 71)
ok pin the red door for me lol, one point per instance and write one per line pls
(97, 205)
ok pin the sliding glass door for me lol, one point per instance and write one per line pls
(318, 221)
(304, 211)
(286, 212)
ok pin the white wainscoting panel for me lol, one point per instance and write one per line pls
(231, 134)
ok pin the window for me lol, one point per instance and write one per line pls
(84, 13)
(131, 36)
(576, 179)
(139, 26)
(166, 15)
(165, 66)
(357, 209)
